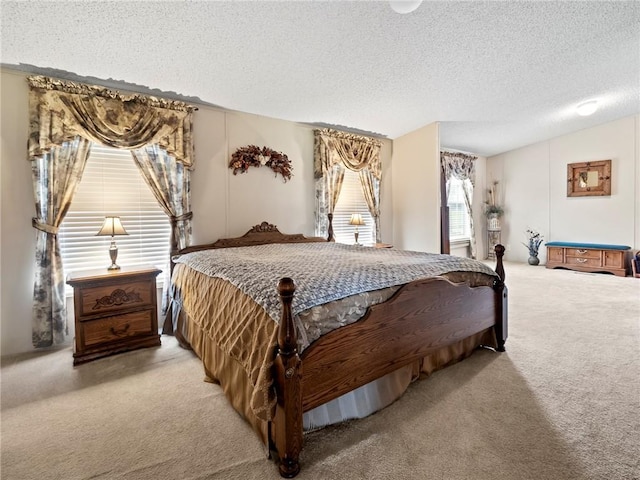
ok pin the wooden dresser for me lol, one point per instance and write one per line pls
(115, 311)
(589, 257)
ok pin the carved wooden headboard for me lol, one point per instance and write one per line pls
(258, 235)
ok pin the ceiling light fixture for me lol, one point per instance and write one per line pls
(404, 6)
(587, 108)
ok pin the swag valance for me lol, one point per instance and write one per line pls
(355, 152)
(60, 110)
(458, 164)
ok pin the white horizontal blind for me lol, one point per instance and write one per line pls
(458, 216)
(351, 200)
(112, 185)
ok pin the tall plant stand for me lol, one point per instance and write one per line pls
(494, 231)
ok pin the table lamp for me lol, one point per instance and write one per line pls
(356, 219)
(112, 227)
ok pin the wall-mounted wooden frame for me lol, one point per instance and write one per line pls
(589, 178)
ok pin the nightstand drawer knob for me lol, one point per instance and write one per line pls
(120, 331)
(582, 252)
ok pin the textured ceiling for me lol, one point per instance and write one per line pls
(498, 75)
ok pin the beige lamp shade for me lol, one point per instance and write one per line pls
(356, 219)
(112, 226)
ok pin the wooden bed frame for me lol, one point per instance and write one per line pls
(393, 334)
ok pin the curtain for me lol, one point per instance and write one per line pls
(55, 175)
(334, 151)
(170, 183)
(64, 117)
(328, 189)
(371, 190)
(462, 167)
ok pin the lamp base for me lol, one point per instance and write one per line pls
(113, 254)
(355, 234)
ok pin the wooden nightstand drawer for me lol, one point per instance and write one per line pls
(117, 328)
(111, 298)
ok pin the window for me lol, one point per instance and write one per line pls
(458, 215)
(112, 185)
(351, 200)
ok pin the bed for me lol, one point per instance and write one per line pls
(323, 322)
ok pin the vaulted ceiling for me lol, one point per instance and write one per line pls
(498, 75)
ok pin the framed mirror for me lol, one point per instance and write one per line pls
(589, 179)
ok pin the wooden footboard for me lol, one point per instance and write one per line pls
(420, 318)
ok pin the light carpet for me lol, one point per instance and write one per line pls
(562, 403)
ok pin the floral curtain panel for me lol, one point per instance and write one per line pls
(56, 175)
(371, 190)
(334, 151)
(170, 183)
(65, 117)
(462, 167)
(328, 188)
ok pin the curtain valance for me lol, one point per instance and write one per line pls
(59, 110)
(355, 152)
(459, 165)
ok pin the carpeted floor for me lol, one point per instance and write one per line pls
(562, 403)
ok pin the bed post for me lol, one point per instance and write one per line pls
(288, 375)
(501, 300)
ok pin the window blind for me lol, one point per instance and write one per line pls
(112, 185)
(351, 200)
(458, 216)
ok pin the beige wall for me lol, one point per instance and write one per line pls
(534, 180)
(17, 244)
(223, 204)
(416, 190)
(479, 196)
(523, 177)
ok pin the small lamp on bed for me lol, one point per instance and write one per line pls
(112, 226)
(356, 219)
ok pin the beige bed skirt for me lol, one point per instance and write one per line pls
(224, 370)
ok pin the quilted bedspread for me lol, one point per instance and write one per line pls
(322, 272)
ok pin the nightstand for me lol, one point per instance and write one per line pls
(115, 311)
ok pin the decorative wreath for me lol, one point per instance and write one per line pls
(254, 156)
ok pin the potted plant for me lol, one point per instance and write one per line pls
(492, 210)
(535, 239)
